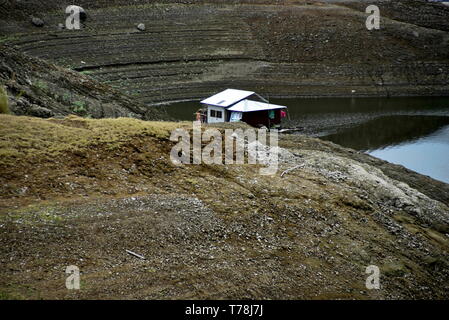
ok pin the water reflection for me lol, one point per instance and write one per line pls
(428, 155)
(420, 143)
(388, 131)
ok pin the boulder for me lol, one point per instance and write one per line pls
(37, 22)
(41, 112)
(141, 26)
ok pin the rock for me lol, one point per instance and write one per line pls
(141, 26)
(61, 26)
(37, 22)
(40, 112)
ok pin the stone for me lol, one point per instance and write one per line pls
(37, 22)
(41, 112)
(141, 27)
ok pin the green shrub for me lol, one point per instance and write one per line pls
(41, 85)
(4, 107)
(79, 107)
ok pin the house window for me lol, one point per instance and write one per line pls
(216, 114)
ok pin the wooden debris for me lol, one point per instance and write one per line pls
(291, 169)
(135, 255)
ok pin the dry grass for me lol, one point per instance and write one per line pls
(27, 138)
(4, 107)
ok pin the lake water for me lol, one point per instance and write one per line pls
(412, 131)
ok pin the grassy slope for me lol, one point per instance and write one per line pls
(27, 139)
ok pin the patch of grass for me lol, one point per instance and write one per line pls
(4, 295)
(40, 85)
(35, 139)
(79, 107)
(65, 98)
(4, 105)
(20, 94)
(8, 39)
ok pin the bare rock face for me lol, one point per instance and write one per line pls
(25, 108)
(141, 26)
(37, 22)
(37, 88)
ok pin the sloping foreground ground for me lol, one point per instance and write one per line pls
(191, 49)
(80, 192)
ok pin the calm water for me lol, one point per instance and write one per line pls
(413, 132)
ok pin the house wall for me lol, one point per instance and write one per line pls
(258, 118)
(215, 119)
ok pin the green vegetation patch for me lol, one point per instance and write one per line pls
(4, 106)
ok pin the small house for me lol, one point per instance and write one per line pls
(233, 105)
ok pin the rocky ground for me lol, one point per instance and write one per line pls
(210, 231)
(189, 50)
(41, 89)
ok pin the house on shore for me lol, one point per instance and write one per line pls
(233, 105)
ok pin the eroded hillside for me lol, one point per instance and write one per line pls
(191, 49)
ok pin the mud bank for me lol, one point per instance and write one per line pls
(210, 231)
(278, 48)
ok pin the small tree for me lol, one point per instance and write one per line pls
(4, 107)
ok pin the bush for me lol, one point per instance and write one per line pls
(4, 108)
(79, 107)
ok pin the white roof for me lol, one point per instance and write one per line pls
(227, 97)
(250, 105)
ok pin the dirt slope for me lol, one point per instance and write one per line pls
(80, 192)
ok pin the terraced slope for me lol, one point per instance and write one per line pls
(190, 50)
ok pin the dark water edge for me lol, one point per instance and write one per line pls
(411, 131)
